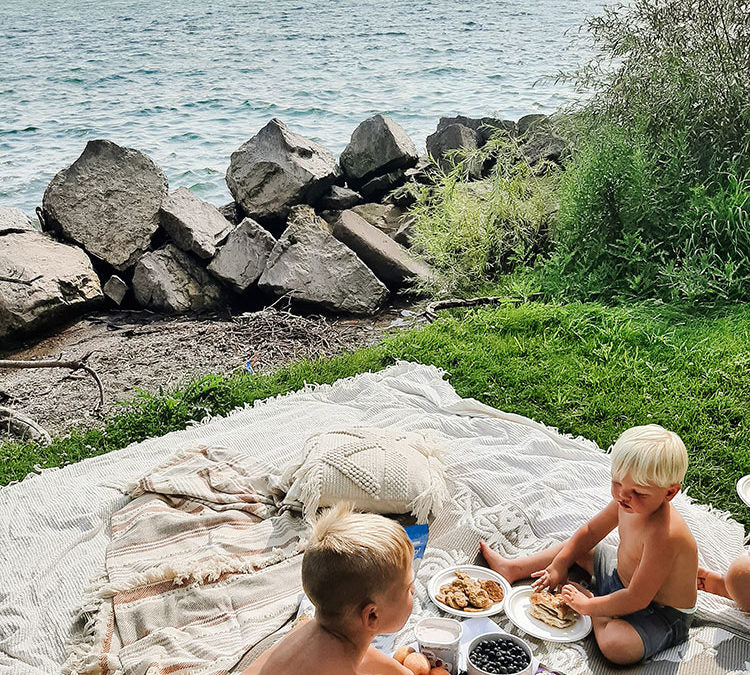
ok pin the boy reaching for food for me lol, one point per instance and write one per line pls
(645, 590)
(357, 571)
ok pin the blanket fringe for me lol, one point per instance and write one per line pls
(189, 573)
(84, 649)
(320, 388)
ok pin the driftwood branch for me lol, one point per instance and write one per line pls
(22, 426)
(52, 363)
(431, 310)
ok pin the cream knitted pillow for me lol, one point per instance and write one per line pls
(378, 470)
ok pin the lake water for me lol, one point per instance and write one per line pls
(187, 82)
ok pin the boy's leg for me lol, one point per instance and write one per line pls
(514, 569)
(618, 641)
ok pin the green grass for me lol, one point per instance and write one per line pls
(585, 369)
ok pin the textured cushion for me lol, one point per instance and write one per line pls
(378, 470)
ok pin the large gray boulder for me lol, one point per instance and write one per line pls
(62, 282)
(531, 122)
(484, 126)
(338, 198)
(451, 144)
(242, 258)
(386, 217)
(389, 260)
(377, 146)
(169, 280)
(311, 265)
(543, 145)
(14, 220)
(192, 224)
(376, 187)
(107, 202)
(277, 169)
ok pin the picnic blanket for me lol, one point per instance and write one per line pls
(172, 556)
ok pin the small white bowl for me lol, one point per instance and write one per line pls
(476, 670)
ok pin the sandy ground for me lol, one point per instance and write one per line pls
(132, 350)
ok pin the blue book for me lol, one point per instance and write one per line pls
(418, 535)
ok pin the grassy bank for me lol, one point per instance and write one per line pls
(587, 369)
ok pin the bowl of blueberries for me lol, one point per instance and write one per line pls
(498, 654)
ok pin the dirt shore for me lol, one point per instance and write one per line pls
(132, 350)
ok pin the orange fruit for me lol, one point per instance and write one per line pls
(439, 671)
(417, 663)
(401, 653)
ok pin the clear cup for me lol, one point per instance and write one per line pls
(439, 640)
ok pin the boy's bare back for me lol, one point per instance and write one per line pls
(307, 644)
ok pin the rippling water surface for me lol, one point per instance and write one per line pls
(188, 84)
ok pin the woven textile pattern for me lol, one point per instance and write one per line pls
(514, 482)
(378, 470)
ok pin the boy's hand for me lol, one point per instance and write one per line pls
(551, 577)
(575, 599)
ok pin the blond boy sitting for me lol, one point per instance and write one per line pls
(645, 590)
(357, 571)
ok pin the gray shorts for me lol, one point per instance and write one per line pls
(658, 626)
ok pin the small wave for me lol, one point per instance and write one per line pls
(442, 70)
(187, 136)
(110, 78)
(14, 132)
(77, 132)
(156, 109)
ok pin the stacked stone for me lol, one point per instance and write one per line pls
(327, 235)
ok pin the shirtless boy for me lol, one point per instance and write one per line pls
(644, 590)
(357, 572)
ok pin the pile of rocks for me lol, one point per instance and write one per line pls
(300, 225)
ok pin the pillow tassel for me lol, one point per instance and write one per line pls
(310, 480)
(433, 498)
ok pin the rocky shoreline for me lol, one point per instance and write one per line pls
(330, 236)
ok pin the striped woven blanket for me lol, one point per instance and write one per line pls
(196, 571)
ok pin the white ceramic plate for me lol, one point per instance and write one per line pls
(481, 573)
(517, 610)
(743, 489)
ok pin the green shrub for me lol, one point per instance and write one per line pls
(655, 203)
(636, 224)
(474, 232)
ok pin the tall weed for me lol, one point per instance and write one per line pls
(473, 232)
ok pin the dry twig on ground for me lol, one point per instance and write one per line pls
(72, 365)
(18, 424)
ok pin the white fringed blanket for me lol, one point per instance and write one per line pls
(199, 571)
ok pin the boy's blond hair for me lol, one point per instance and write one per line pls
(651, 455)
(350, 557)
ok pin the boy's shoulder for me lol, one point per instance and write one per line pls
(669, 529)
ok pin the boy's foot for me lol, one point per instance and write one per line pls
(501, 565)
(711, 582)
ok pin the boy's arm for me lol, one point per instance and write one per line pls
(377, 663)
(255, 666)
(653, 568)
(583, 540)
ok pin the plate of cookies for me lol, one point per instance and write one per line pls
(468, 591)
